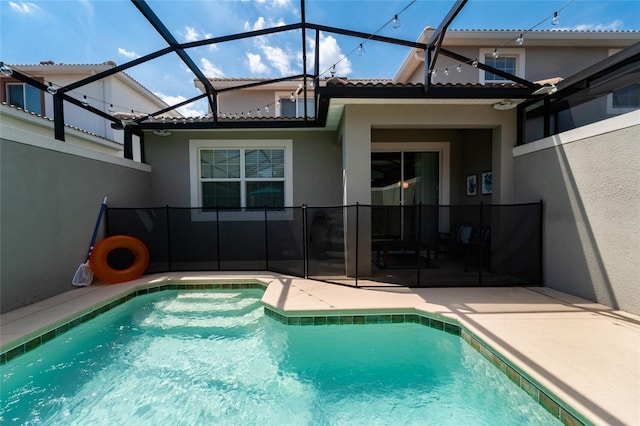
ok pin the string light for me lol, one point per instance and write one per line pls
(555, 20)
(85, 102)
(495, 53)
(446, 71)
(360, 48)
(459, 68)
(475, 63)
(51, 90)
(111, 110)
(396, 22)
(6, 70)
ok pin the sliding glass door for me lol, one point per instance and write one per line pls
(401, 179)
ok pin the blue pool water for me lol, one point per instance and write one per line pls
(213, 357)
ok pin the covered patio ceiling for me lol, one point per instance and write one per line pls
(323, 94)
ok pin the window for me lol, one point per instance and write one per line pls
(256, 175)
(24, 96)
(295, 108)
(628, 98)
(502, 63)
(625, 99)
(509, 60)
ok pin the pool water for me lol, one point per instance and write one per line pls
(213, 357)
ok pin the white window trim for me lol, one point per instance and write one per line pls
(519, 54)
(195, 145)
(283, 97)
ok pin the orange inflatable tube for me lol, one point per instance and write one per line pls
(100, 267)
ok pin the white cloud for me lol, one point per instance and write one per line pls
(262, 23)
(209, 69)
(330, 53)
(128, 54)
(23, 7)
(612, 26)
(258, 25)
(190, 110)
(191, 35)
(277, 3)
(278, 58)
(256, 66)
(89, 8)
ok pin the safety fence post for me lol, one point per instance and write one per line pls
(305, 253)
(357, 238)
(168, 237)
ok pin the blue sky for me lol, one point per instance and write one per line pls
(86, 31)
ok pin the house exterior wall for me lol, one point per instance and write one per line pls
(589, 181)
(317, 175)
(50, 198)
(541, 62)
(355, 132)
(431, 122)
(120, 90)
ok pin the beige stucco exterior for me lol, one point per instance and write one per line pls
(50, 195)
(589, 179)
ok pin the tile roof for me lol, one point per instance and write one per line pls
(50, 120)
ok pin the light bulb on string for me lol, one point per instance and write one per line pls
(111, 110)
(51, 90)
(475, 63)
(266, 109)
(556, 19)
(459, 68)
(85, 102)
(520, 40)
(495, 53)
(434, 73)
(6, 70)
(361, 50)
(333, 70)
(446, 71)
(396, 22)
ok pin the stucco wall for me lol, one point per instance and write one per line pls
(50, 196)
(589, 179)
(317, 172)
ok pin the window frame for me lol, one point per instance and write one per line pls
(611, 108)
(518, 54)
(299, 108)
(24, 86)
(617, 110)
(197, 145)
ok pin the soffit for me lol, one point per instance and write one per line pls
(336, 105)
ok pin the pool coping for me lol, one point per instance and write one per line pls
(112, 296)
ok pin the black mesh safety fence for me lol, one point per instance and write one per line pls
(359, 245)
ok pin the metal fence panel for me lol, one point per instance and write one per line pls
(417, 245)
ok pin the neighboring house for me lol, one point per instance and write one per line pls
(118, 93)
(399, 141)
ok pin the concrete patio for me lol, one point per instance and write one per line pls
(586, 354)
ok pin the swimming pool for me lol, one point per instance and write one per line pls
(213, 357)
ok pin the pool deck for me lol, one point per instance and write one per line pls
(586, 354)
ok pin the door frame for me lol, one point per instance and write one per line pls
(443, 148)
